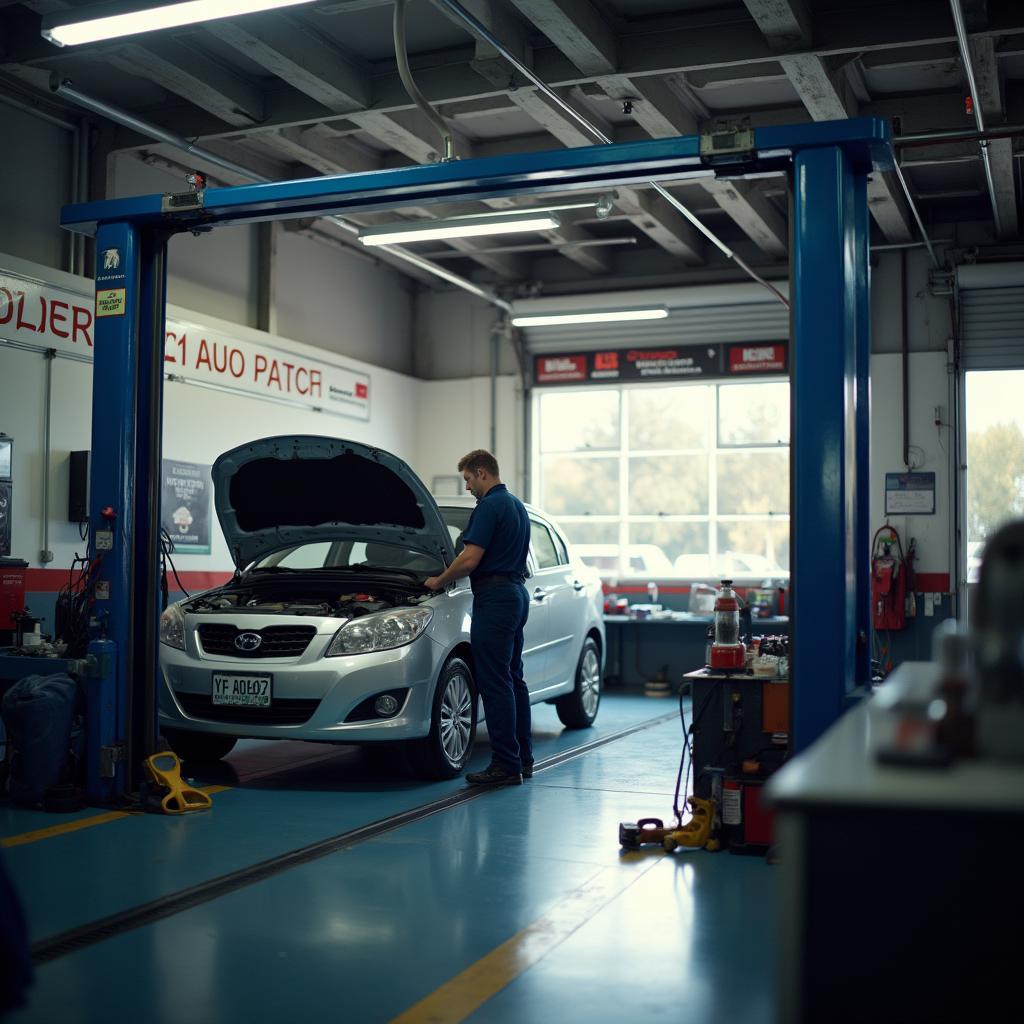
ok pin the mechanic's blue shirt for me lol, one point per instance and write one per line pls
(500, 525)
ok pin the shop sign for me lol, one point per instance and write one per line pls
(757, 358)
(48, 316)
(680, 362)
(185, 506)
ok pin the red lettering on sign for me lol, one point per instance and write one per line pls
(203, 359)
(58, 317)
(299, 386)
(81, 321)
(261, 367)
(22, 322)
(6, 306)
(315, 383)
(275, 375)
(220, 365)
(236, 366)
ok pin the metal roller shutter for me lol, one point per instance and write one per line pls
(697, 325)
(992, 316)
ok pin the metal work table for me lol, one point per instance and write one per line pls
(896, 881)
(676, 650)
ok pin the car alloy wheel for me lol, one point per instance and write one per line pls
(456, 718)
(577, 710)
(590, 681)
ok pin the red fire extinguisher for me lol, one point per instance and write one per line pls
(889, 572)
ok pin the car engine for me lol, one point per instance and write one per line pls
(302, 598)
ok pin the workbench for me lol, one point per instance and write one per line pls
(638, 648)
(901, 894)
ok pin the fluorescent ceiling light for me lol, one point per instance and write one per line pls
(459, 227)
(65, 29)
(593, 316)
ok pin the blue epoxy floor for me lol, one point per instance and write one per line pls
(363, 934)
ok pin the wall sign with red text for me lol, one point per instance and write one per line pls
(664, 363)
(46, 315)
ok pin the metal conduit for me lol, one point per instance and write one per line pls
(65, 88)
(481, 30)
(979, 120)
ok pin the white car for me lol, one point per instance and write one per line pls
(644, 560)
(327, 633)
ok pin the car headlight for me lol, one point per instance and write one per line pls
(380, 631)
(172, 627)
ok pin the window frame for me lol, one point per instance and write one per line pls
(623, 519)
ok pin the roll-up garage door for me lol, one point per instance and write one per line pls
(692, 325)
(992, 316)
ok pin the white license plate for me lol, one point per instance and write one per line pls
(241, 691)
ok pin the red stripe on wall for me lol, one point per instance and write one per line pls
(50, 581)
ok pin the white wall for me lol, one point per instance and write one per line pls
(199, 424)
(931, 452)
(454, 417)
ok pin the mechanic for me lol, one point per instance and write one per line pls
(497, 541)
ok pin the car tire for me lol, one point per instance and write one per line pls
(199, 747)
(446, 750)
(577, 710)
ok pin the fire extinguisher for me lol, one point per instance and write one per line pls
(889, 572)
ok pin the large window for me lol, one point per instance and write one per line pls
(686, 480)
(995, 456)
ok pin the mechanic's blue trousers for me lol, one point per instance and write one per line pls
(499, 616)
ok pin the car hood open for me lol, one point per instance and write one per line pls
(278, 492)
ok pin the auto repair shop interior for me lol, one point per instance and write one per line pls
(733, 290)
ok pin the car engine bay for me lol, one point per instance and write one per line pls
(323, 599)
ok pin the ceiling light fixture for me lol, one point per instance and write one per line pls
(591, 316)
(71, 28)
(459, 227)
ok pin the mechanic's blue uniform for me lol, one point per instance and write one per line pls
(500, 525)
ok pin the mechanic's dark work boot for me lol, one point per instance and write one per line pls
(527, 769)
(494, 775)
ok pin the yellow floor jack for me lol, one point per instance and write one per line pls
(695, 834)
(166, 793)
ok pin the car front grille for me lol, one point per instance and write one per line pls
(275, 641)
(282, 711)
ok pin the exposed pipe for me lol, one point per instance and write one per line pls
(405, 73)
(481, 30)
(65, 88)
(45, 554)
(905, 359)
(979, 120)
(957, 135)
(84, 144)
(496, 332)
(913, 209)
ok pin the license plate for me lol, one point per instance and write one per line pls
(241, 691)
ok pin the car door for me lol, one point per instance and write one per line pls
(535, 633)
(536, 637)
(554, 585)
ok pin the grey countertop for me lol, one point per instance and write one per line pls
(842, 769)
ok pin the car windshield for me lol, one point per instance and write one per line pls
(358, 554)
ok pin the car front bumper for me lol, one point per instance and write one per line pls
(331, 688)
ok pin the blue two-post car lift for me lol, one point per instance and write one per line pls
(827, 163)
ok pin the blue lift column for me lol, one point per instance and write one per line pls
(830, 439)
(124, 503)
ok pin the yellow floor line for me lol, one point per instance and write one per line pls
(467, 992)
(74, 826)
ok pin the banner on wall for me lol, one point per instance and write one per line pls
(669, 363)
(46, 315)
(185, 503)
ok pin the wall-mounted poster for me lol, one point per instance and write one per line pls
(185, 508)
